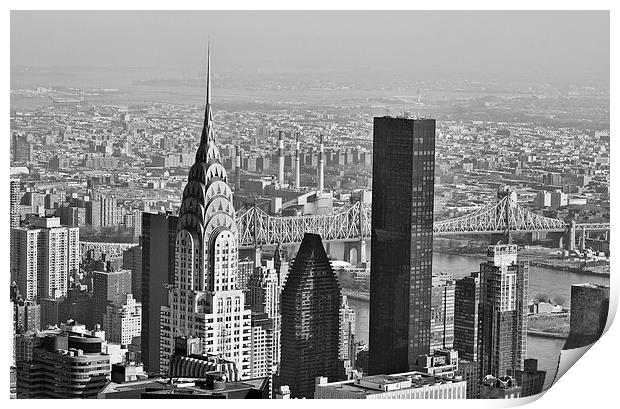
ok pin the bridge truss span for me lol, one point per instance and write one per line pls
(353, 222)
(499, 217)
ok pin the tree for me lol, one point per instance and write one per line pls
(559, 299)
(541, 297)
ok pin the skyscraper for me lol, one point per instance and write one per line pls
(503, 305)
(442, 312)
(467, 317)
(347, 330)
(159, 233)
(263, 297)
(204, 300)
(589, 307)
(14, 203)
(43, 257)
(310, 320)
(109, 288)
(402, 243)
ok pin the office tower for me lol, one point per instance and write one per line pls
(110, 212)
(280, 158)
(347, 330)
(321, 169)
(237, 168)
(297, 176)
(310, 320)
(467, 317)
(204, 300)
(66, 365)
(262, 337)
(25, 260)
(43, 257)
(442, 311)
(263, 297)
(14, 203)
(158, 241)
(503, 309)
(26, 315)
(123, 322)
(589, 307)
(51, 311)
(71, 216)
(109, 288)
(402, 243)
(93, 214)
(281, 265)
(132, 260)
(408, 385)
(530, 379)
(22, 149)
(245, 269)
(470, 371)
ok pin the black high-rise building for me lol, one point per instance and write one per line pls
(310, 320)
(467, 317)
(158, 241)
(589, 307)
(402, 243)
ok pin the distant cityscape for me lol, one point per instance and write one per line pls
(360, 248)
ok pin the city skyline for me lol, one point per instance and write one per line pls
(317, 250)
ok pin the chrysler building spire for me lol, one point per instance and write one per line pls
(207, 149)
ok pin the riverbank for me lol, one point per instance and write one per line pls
(536, 263)
(544, 334)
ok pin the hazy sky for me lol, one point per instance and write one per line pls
(555, 44)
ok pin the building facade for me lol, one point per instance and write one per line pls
(67, 365)
(310, 320)
(123, 322)
(589, 307)
(504, 291)
(467, 316)
(109, 288)
(408, 385)
(402, 242)
(158, 242)
(43, 257)
(442, 311)
(204, 300)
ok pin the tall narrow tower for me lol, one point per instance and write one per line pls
(503, 309)
(297, 177)
(280, 158)
(321, 166)
(310, 306)
(402, 243)
(203, 300)
(237, 168)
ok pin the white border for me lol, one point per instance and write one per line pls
(590, 383)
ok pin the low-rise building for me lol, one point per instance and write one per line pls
(408, 385)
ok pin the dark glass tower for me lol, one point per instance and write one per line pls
(402, 243)
(467, 317)
(158, 240)
(310, 320)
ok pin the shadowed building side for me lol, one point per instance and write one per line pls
(402, 243)
(310, 320)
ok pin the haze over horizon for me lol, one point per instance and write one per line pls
(533, 45)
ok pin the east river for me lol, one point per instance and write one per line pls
(542, 280)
